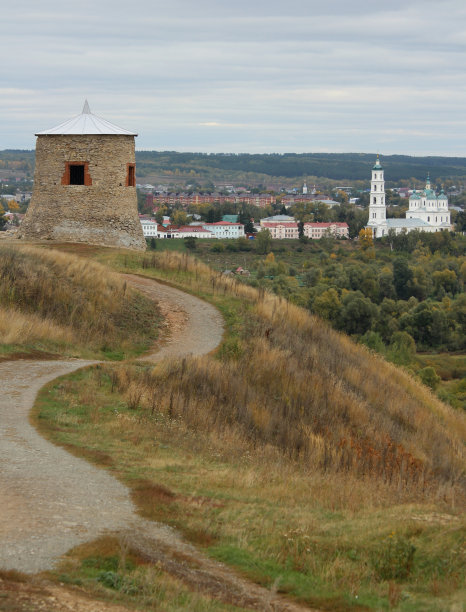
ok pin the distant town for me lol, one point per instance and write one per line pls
(227, 210)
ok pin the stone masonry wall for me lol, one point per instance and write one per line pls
(103, 212)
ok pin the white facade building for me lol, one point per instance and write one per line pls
(149, 228)
(283, 226)
(427, 211)
(319, 230)
(225, 229)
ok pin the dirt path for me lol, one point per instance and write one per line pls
(51, 501)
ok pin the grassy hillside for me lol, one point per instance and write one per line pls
(300, 458)
(404, 303)
(56, 302)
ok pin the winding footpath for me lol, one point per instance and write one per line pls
(51, 501)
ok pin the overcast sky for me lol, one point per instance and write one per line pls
(241, 75)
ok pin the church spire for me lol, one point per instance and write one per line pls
(428, 181)
(377, 165)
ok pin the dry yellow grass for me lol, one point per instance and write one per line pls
(18, 328)
(287, 380)
(57, 298)
(293, 454)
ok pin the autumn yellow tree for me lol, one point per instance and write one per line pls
(179, 217)
(13, 206)
(365, 239)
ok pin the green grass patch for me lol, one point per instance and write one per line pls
(259, 521)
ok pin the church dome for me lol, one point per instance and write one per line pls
(377, 165)
(442, 196)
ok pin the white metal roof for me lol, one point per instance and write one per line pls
(86, 123)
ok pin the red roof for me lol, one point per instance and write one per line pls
(326, 224)
(192, 228)
(223, 223)
(291, 224)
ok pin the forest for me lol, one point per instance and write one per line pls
(207, 167)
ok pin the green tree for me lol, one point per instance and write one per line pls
(446, 280)
(342, 197)
(328, 305)
(179, 217)
(2, 218)
(190, 242)
(386, 286)
(373, 340)
(358, 313)
(402, 348)
(429, 377)
(402, 276)
(263, 242)
(249, 227)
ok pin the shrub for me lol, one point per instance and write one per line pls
(429, 377)
(394, 560)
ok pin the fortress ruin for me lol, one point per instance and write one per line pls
(85, 185)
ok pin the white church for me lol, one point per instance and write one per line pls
(427, 212)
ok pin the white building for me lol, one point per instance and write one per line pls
(194, 231)
(149, 228)
(225, 229)
(319, 230)
(427, 211)
(283, 226)
(280, 230)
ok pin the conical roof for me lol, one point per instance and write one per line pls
(86, 123)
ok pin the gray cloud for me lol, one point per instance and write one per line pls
(214, 75)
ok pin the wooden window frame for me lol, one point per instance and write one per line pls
(65, 180)
(130, 175)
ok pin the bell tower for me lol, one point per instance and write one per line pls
(377, 209)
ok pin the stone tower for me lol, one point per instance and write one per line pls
(85, 185)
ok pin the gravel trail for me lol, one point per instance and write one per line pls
(51, 501)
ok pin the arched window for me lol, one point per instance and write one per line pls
(375, 200)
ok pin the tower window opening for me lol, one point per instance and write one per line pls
(77, 175)
(375, 200)
(131, 175)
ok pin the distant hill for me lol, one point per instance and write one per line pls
(205, 167)
(336, 166)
